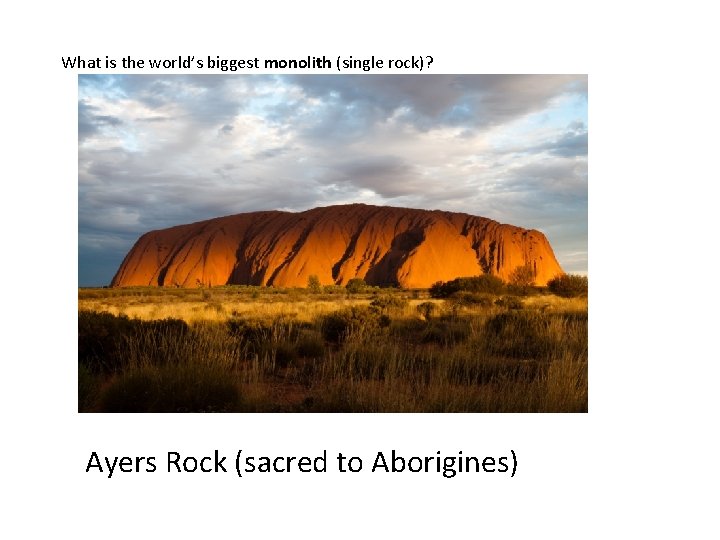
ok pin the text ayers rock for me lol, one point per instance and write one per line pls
(382, 245)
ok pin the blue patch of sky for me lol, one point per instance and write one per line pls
(563, 114)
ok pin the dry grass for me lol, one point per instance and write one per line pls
(198, 311)
(258, 350)
(197, 305)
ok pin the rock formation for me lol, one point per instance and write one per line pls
(382, 245)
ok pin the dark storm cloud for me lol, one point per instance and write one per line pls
(125, 194)
(501, 98)
(97, 267)
(207, 99)
(89, 123)
(388, 176)
(475, 100)
(553, 181)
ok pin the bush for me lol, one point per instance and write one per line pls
(99, 340)
(334, 289)
(466, 298)
(285, 354)
(170, 389)
(388, 303)
(338, 326)
(356, 285)
(569, 285)
(447, 333)
(103, 337)
(509, 302)
(522, 279)
(313, 284)
(88, 386)
(426, 309)
(485, 283)
(254, 332)
(517, 334)
(531, 335)
(310, 345)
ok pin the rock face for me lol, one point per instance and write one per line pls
(382, 245)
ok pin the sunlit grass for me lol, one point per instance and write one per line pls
(250, 349)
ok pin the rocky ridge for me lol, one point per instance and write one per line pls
(380, 244)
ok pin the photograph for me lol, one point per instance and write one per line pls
(302, 243)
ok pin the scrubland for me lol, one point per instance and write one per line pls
(255, 349)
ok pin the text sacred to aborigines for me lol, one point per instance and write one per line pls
(448, 466)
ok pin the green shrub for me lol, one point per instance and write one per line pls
(88, 386)
(216, 306)
(267, 339)
(170, 389)
(569, 285)
(310, 345)
(334, 289)
(338, 326)
(522, 280)
(103, 338)
(509, 302)
(485, 283)
(388, 303)
(447, 332)
(467, 298)
(100, 337)
(522, 276)
(313, 284)
(285, 354)
(254, 332)
(532, 335)
(356, 285)
(426, 310)
(517, 334)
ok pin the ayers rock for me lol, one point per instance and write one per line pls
(382, 245)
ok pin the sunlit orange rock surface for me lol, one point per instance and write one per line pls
(382, 245)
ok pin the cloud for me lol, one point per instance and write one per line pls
(475, 101)
(90, 123)
(388, 176)
(573, 142)
(157, 151)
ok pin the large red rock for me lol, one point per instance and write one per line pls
(380, 244)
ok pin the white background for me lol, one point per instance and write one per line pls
(641, 464)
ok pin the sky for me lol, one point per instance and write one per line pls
(158, 151)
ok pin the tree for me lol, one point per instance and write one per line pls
(356, 285)
(522, 278)
(313, 283)
(485, 283)
(569, 285)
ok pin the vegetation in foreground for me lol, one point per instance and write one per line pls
(479, 347)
